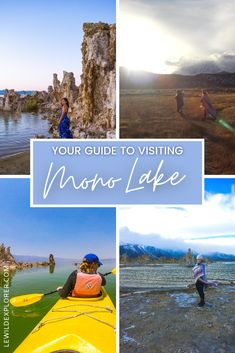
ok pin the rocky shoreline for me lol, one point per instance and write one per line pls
(92, 109)
(22, 265)
(7, 260)
(169, 321)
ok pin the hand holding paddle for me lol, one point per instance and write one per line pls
(113, 272)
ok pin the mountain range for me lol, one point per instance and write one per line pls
(137, 252)
(130, 79)
(33, 258)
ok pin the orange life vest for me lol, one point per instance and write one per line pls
(87, 285)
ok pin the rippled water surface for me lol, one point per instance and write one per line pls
(172, 275)
(16, 131)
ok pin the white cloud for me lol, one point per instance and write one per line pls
(189, 29)
(216, 217)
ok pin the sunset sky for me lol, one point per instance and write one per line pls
(184, 36)
(42, 37)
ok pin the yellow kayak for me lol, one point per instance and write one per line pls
(75, 325)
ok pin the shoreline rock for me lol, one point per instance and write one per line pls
(8, 260)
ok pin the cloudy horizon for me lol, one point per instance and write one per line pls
(209, 227)
(177, 36)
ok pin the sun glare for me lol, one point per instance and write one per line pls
(146, 46)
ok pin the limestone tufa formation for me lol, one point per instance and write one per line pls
(7, 259)
(11, 101)
(97, 93)
(93, 103)
(189, 259)
(51, 260)
(5, 255)
(67, 88)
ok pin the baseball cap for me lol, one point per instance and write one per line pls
(89, 258)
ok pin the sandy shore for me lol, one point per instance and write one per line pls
(18, 164)
(171, 321)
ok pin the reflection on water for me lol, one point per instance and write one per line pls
(9, 274)
(172, 275)
(17, 129)
(51, 268)
(30, 311)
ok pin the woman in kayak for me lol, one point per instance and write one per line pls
(199, 272)
(86, 282)
(64, 122)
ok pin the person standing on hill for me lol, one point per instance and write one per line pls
(209, 111)
(179, 101)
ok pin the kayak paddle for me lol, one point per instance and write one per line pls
(113, 272)
(28, 299)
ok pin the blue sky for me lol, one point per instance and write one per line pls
(205, 228)
(39, 38)
(219, 185)
(67, 232)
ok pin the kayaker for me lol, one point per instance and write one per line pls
(199, 272)
(84, 283)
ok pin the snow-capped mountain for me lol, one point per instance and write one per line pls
(131, 252)
(136, 250)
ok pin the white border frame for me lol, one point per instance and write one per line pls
(33, 205)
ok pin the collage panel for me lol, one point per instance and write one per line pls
(177, 275)
(57, 275)
(177, 80)
(143, 261)
(57, 75)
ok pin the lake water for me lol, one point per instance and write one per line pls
(172, 275)
(40, 280)
(16, 131)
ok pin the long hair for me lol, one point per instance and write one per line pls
(66, 100)
(86, 267)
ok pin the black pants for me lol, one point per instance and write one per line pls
(200, 289)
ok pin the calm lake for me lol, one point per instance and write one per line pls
(40, 280)
(172, 275)
(16, 131)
